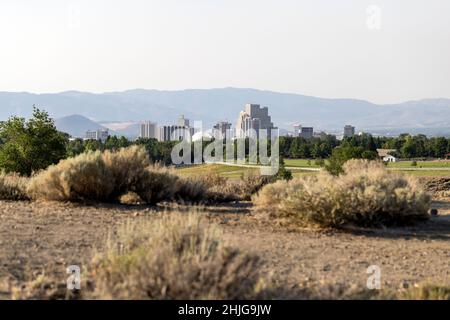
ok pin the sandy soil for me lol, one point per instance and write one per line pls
(37, 237)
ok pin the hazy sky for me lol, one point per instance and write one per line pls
(326, 48)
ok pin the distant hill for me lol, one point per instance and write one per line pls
(76, 125)
(211, 105)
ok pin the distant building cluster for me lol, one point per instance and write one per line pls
(182, 130)
(249, 123)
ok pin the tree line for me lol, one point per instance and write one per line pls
(365, 145)
(27, 146)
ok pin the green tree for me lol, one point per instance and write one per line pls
(31, 145)
(283, 173)
(341, 155)
(439, 147)
(75, 147)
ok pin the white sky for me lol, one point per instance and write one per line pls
(318, 47)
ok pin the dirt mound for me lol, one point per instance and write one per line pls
(437, 184)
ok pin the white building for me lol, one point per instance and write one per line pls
(390, 158)
(297, 129)
(252, 119)
(148, 130)
(175, 133)
(99, 135)
(386, 155)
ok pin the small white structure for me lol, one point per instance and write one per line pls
(389, 158)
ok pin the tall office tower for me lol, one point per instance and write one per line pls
(349, 131)
(252, 119)
(182, 121)
(148, 130)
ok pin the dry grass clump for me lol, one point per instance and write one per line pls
(130, 198)
(41, 287)
(174, 256)
(219, 188)
(157, 184)
(418, 292)
(84, 177)
(366, 194)
(426, 292)
(191, 190)
(13, 186)
(108, 176)
(105, 176)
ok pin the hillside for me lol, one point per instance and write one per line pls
(76, 125)
(211, 105)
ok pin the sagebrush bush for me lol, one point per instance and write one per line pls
(105, 176)
(173, 256)
(13, 186)
(127, 168)
(84, 177)
(219, 188)
(157, 184)
(191, 190)
(365, 194)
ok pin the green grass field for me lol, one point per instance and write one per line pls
(426, 173)
(421, 164)
(223, 170)
(400, 164)
(300, 163)
(232, 172)
(235, 172)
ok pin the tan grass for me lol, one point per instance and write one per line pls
(105, 177)
(366, 194)
(174, 256)
(13, 186)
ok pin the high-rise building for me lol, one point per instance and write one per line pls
(182, 121)
(307, 132)
(175, 133)
(349, 131)
(148, 130)
(252, 119)
(221, 130)
(100, 135)
(178, 132)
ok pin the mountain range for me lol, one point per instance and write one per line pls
(211, 105)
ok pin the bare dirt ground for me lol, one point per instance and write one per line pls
(48, 237)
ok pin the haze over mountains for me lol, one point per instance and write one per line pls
(211, 105)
